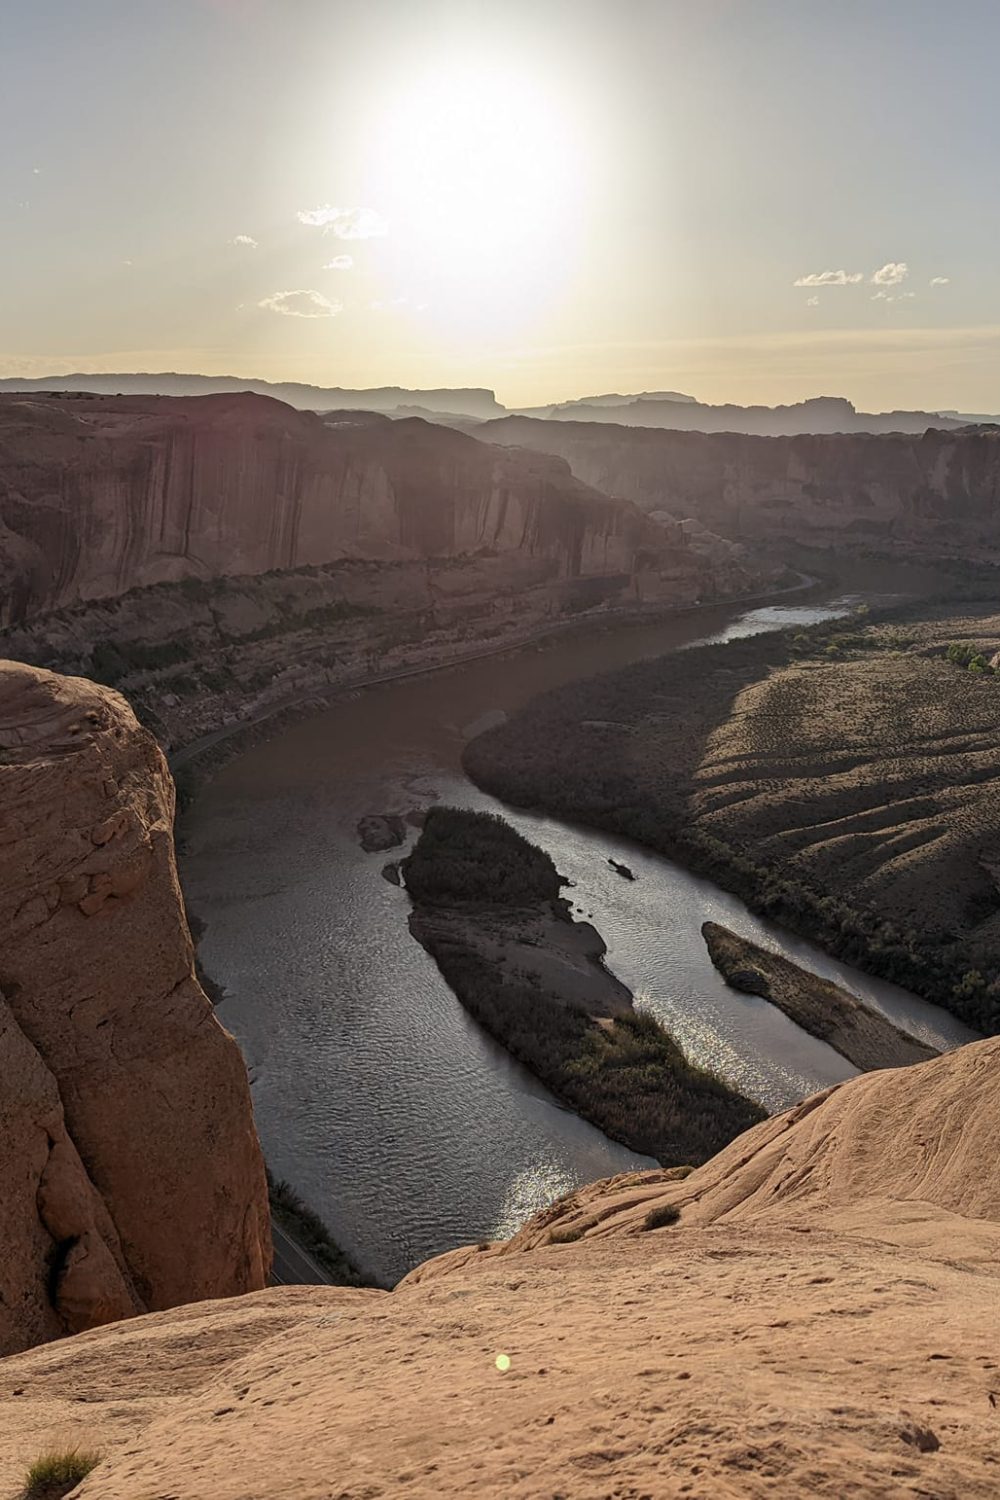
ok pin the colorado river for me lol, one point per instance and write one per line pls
(398, 1120)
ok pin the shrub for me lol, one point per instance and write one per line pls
(565, 1234)
(476, 857)
(661, 1215)
(57, 1473)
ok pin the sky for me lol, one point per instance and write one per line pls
(744, 200)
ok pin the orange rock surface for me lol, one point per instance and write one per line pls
(823, 1319)
(130, 1174)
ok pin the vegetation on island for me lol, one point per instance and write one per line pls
(624, 1073)
(474, 857)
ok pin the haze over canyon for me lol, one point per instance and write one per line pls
(499, 750)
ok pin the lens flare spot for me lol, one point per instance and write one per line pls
(503, 1363)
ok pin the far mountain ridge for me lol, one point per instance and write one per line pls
(465, 406)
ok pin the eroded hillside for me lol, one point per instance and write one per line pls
(845, 779)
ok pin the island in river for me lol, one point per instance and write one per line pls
(487, 907)
(866, 1038)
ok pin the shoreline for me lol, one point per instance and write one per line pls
(485, 905)
(197, 758)
(859, 1032)
(852, 934)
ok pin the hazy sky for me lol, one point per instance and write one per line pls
(549, 197)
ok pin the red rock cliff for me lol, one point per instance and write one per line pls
(130, 1174)
(100, 495)
(938, 488)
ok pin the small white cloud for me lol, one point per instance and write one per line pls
(345, 223)
(339, 263)
(812, 302)
(830, 278)
(891, 274)
(301, 304)
(246, 240)
(940, 280)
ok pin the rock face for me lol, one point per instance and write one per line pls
(822, 1320)
(938, 488)
(101, 495)
(130, 1174)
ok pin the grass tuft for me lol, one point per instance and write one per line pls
(661, 1215)
(56, 1474)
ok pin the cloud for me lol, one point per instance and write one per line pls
(812, 302)
(893, 296)
(339, 263)
(244, 239)
(830, 278)
(301, 304)
(891, 274)
(940, 280)
(345, 223)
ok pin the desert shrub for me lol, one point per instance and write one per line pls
(565, 1234)
(55, 1474)
(661, 1215)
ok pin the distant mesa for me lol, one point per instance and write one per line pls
(463, 403)
(672, 410)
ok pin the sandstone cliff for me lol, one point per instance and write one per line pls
(215, 557)
(130, 1174)
(100, 495)
(822, 1320)
(939, 490)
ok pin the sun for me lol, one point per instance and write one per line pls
(479, 168)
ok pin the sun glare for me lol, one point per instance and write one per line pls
(479, 171)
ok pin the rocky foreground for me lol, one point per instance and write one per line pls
(823, 1319)
(130, 1174)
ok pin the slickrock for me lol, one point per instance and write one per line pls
(823, 1319)
(130, 1174)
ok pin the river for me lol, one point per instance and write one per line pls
(377, 1097)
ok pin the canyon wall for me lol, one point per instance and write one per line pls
(130, 1174)
(100, 495)
(213, 556)
(939, 491)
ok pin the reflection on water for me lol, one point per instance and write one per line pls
(401, 1122)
